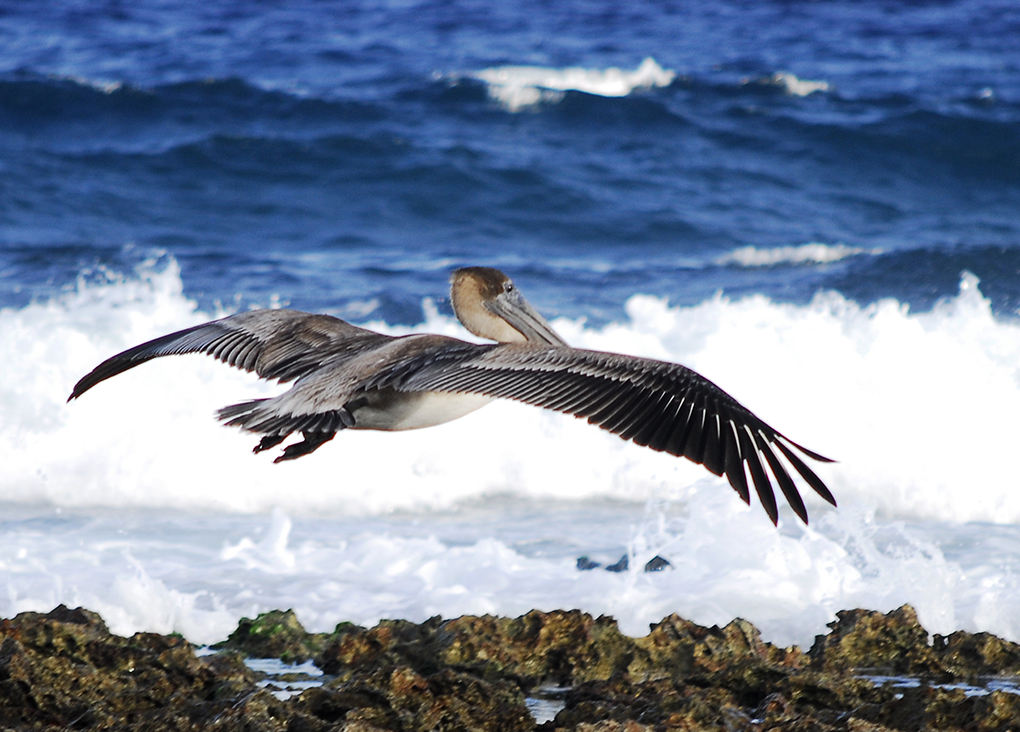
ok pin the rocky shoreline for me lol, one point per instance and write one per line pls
(872, 672)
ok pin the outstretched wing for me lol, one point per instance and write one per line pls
(664, 406)
(276, 344)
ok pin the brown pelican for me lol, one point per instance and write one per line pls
(347, 377)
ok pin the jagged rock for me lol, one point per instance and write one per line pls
(866, 640)
(352, 649)
(679, 649)
(560, 647)
(657, 564)
(976, 654)
(928, 707)
(660, 704)
(402, 699)
(613, 726)
(64, 670)
(621, 565)
(276, 634)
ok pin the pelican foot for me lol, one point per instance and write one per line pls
(312, 441)
(269, 441)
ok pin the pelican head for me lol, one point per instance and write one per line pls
(489, 305)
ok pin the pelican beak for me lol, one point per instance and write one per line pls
(515, 310)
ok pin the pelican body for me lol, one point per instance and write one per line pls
(346, 377)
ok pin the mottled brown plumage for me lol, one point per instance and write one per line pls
(347, 377)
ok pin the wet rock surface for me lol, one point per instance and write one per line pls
(873, 672)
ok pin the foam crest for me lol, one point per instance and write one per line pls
(518, 87)
(812, 253)
(799, 87)
(791, 84)
(104, 86)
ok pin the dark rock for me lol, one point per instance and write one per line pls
(400, 698)
(929, 707)
(352, 649)
(622, 565)
(64, 670)
(893, 643)
(584, 564)
(659, 704)
(683, 649)
(559, 648)
(976, 654)
(276, 634)
(657, 564)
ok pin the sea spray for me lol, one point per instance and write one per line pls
(892, 395)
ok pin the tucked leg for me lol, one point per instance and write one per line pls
(312, 441)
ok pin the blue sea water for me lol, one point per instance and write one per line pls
(817, 204)
(339, 155)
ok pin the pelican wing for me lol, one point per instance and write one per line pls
(664, 406)
(276, 344)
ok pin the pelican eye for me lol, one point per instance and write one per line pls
(508, 287)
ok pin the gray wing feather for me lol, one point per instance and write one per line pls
(276, 344)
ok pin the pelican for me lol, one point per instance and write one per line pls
(346, 377)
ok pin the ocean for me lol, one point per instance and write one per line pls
(815, 205)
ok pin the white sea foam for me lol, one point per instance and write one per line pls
(522, 86)
(134, 502)
(907, 402)
(813, 253)
(198, 575)
(799, 87)
(791, 84)
(105, 86)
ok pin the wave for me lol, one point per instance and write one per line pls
(83, 115)
(74, 114)
(871, 386)
(518, 87)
